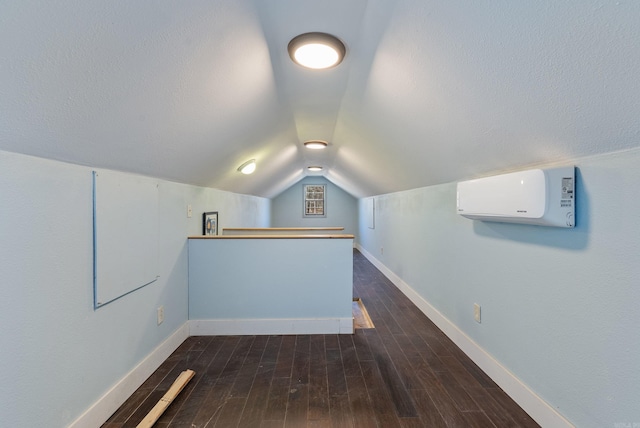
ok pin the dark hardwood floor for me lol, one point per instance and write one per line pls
(403, 373)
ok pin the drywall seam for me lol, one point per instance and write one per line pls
(535, 406)
(106, 405)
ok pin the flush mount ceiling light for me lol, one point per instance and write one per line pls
(314, 168)
(316, 144)
(248, 167)
(316, 50)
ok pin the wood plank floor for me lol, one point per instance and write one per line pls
(403, 373)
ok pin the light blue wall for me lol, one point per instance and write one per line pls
(57, 353)
(559, 306)
(254, 279)
(342, 208)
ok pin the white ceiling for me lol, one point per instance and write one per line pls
(430, 91)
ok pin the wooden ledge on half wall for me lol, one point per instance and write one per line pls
(265, 236)
(280, 229)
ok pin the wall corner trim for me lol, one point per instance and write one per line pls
(106, 405)
(534, 405)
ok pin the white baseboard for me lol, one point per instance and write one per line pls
(535, 406)
(230, 327)
(106, 405)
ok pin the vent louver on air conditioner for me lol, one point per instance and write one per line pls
(544, 197)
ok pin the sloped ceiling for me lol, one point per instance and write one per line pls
(430, 91)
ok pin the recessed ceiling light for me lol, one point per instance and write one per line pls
(316, 144)
(248, 167)
(314, 168)
(316, 50)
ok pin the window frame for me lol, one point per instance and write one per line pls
(308, 189)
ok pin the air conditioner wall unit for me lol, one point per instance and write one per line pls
(544, 197)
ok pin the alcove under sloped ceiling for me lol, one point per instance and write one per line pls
(429, 92)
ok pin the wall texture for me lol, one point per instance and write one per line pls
(559, 306)
(58, 354)
(342, 208)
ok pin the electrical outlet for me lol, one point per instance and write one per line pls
(160, 314)
(381, 250)
(189, 211)
(476, 312)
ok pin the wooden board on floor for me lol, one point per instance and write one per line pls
(167, 399)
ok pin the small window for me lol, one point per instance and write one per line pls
(314, 200)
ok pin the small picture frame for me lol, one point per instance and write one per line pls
(210, 223)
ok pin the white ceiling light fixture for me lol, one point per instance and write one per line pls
(314, 168)
(248, 167)
(316, 144)
(316, 50)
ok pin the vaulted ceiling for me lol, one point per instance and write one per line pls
(429, 92)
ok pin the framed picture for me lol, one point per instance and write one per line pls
(210, 223)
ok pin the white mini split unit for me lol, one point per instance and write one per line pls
(545, 197)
